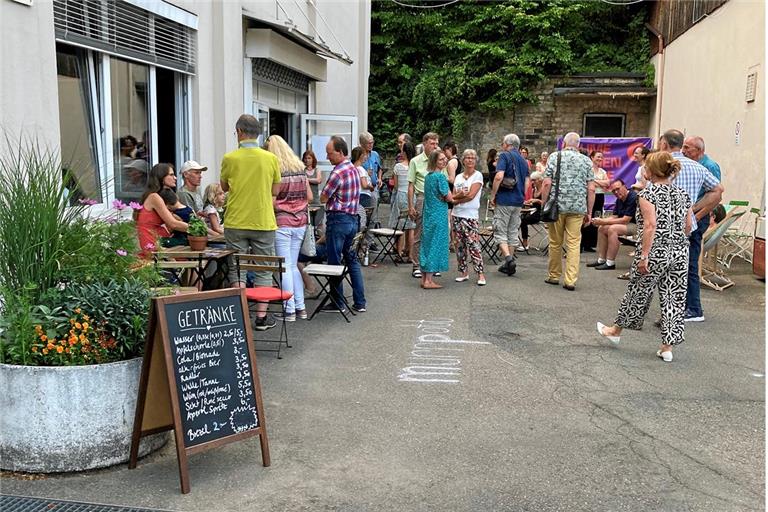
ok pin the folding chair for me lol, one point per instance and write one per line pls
(180, 267)
(274, 296)
(738, 241)
(325, 275)
(388, 238)
(487, 244)
(710, 273)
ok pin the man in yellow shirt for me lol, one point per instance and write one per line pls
(251, 176)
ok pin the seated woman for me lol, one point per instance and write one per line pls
(532, 200)
(155, 219)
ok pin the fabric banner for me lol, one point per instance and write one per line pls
(617, 157)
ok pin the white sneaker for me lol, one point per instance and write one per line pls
(694, 318)
(520, 248)
(613, 339)
(666, 356)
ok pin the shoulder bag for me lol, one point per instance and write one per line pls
(509, 182)
(308, 248)
(550, 212)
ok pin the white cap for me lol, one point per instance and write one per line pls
(191, 165)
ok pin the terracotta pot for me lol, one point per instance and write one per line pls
(198, 243)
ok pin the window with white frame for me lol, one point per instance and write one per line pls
(120, 66)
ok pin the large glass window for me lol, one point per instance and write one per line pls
(77, 125)
(130, 127)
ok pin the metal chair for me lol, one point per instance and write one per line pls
(710, 273)
(273, 296)
(388, 238)
(738, 240)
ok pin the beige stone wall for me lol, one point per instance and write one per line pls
(540, 125)
(705, 77)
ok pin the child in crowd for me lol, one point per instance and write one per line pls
(213, 210)
(180, 212)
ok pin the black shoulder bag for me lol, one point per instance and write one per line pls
(510, 182)
(551, 212)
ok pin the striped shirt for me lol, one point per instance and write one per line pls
(693, 177)
(343, 189)
(291, 201)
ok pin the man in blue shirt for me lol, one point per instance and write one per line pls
(622, 223)
(374, 168)
(508, 200)
(693, 178)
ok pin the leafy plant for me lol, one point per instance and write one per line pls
(122, 307)
(197, 227)
(431, 68)
(71, 339)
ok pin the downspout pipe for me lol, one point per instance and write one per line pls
(660, 79)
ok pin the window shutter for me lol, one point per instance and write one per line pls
(125, 30)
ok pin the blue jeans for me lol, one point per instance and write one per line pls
(693, 295)
(340, 231)
(287, 244)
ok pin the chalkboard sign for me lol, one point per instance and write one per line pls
(199, 376)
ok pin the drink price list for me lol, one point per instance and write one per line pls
(212, 367)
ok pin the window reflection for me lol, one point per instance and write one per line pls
(76, 125)
(130, 125)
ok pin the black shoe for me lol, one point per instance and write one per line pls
(331, 307)
(511, 265)
(595, 264)
(373, 247)
(264, 323)
(569, 287)
(359, 309)
(605, 266)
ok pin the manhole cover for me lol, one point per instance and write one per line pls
(28, 504)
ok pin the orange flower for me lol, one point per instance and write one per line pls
(72, 321)
(86, 317)
(43, 337)
(34, 349)
(38, 329)
(82, 337)
(77, 310)
(59, 349)
(67, 350)
(51, 345)
(78, 325)
(72, 339)
(85, 326)
(45, 351)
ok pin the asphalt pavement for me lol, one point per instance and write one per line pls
(500, 397)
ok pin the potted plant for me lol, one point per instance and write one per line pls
(74, 301)
(197, 234)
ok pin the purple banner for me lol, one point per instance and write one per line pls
(617, 157)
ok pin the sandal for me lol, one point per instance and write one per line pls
(416, 272)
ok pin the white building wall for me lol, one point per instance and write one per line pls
(28, 88)
(705, 77)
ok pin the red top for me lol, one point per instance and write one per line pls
(149, 227)
(291, 201)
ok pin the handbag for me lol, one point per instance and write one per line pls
(308, 248)
(550, 212)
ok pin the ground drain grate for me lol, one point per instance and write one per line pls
(28, 504)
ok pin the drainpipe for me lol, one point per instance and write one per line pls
(660, 79)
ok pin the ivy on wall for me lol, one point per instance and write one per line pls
(431, 67)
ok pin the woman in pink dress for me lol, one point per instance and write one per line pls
(155, 220)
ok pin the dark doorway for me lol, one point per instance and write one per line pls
(280, 124)
(166, 117)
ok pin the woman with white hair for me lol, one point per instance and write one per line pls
(466, 213)
(292, 215)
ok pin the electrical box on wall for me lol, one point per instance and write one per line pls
(23, 2)
(751, 87)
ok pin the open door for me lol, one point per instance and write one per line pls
(316, 131)
(261, 112)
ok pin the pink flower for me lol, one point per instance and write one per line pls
(87, 202)
(150, 247)
(118, 205)
(135, 205)
(121, 252)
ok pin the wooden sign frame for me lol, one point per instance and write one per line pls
(158, 408)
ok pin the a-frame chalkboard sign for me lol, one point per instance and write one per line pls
(199, 376)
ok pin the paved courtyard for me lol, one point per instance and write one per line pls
(528, 410)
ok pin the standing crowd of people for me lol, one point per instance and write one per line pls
(436, 202)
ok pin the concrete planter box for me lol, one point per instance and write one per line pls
(72, 418)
